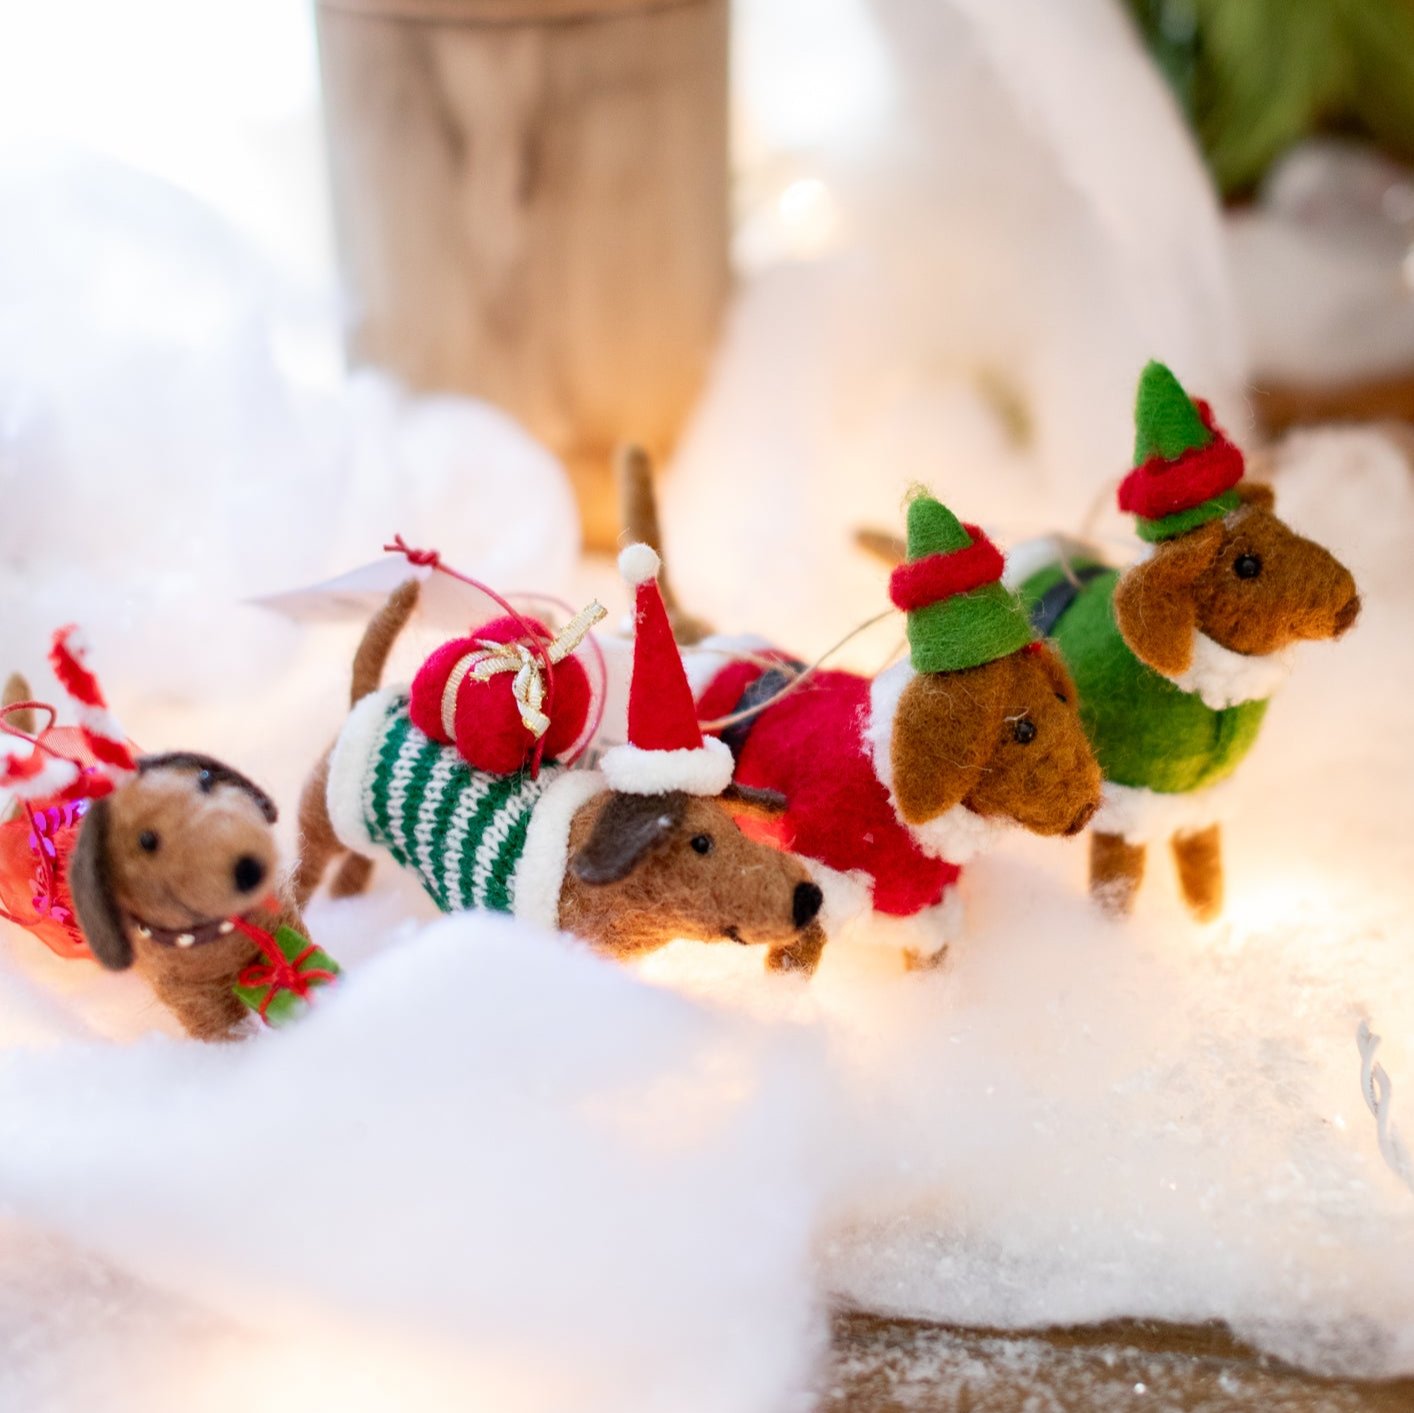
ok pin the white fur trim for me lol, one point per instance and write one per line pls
(638, 564)
(1030, 556)
(925, 933)
(55, 774)
(1223, 678)
(348, 765)
(703, 661)
(1142, 816)
(540, 875)
(958, 834)
(846, 896)
(706, 770)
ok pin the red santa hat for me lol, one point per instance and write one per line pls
(666, 750)
(34, 768)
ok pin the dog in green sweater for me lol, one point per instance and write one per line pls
(1176, 658)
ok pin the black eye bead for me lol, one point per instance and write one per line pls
(147, 841)
(1023, 731)
(1247, 566)
(702, 843)
(205, 781)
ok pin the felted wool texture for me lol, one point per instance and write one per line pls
(1116, 871)
(1185, 468)
(488, 731)
(1199, 860)
(1302, 592)
(967, 630)
(811, 747)
(1166, 423)
(954, 742)
(961, 630)
(740, 889)
(462, 832)
(1145, 731)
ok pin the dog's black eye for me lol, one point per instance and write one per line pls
(1247, 566)
(1062, 699)
(205, 781)
(147, 841)
(702, 843)
(1023, 731)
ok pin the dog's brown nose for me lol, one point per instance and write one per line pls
(806, 904)
(249, 873)
(1087, 813)
(1347, 615)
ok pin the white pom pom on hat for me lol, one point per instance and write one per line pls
(665, 750)
(638, 564)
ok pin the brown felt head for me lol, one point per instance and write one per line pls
(1247, 581)
(1003, 739)
(185, 842)
(646, 869)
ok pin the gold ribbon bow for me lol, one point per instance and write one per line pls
(491, 659)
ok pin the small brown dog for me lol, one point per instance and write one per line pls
(898, 780)
(626, 872)
(163, 867)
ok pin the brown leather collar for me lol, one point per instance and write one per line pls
(183, 937)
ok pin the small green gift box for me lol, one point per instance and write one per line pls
(277, 986)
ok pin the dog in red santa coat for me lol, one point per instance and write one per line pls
(892, 783)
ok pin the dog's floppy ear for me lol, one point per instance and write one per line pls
(753, 800)
(1257, 493)
(945, 729)
(1153, 601)
(1046, 658)
(627, 828)
(91, 889)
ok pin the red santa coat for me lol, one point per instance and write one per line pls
(811, 746)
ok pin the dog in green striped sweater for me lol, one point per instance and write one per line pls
(627, 869)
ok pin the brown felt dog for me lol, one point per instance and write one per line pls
(895, 781)
(1252, 587)
(628, 873)
(162, 868)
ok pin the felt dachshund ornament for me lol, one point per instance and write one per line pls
(1177, 657)
(627, 857)
(900, 779)
(173, 866)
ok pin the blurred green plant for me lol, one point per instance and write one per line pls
(1256, 76)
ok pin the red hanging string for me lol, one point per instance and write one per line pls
(432, 559)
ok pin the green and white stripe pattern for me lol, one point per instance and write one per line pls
(462, 831)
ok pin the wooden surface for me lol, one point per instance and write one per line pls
(536, 213)
(1280, 406)
(896, 1366)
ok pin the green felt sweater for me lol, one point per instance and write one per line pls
(1145, 731)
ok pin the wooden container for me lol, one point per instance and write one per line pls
(531, 200)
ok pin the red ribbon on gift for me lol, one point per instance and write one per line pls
(278, 972)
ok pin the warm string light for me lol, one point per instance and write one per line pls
(1378, 1089)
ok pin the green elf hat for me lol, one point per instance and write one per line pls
(1185, 469)
(960, 615)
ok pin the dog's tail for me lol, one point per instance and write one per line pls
(17, 690)
(638, 501)
(891, 549)
(378, 639)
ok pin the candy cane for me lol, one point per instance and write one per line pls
(101, 732)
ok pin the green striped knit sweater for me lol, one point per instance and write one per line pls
(475, 840)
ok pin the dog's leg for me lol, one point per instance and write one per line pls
(352, 877)
(1199, 857)
(801, 954)
(318, 843)
(1116, 871)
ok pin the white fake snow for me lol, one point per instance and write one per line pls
(493, 1172)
